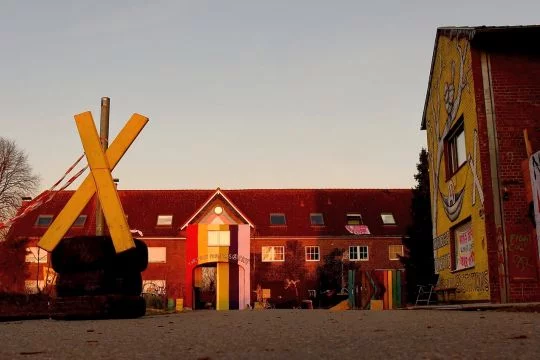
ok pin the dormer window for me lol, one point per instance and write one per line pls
(354, 219)
(317, 219)
(277, 219)
(44, 220)
(388, 219)
(164, 220)
(81, 220)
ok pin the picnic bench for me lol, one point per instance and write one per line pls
(445, 291)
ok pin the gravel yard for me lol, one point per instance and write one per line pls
(281, 334)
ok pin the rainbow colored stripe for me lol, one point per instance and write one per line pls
(232, 264)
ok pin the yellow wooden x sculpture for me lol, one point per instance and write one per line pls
(100, 179)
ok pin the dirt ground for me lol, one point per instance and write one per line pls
(281, 334)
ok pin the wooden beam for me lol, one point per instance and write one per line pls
(87, 189)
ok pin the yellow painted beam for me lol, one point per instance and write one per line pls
(86, 190)
(106, 189)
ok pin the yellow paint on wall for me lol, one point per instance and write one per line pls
(451, 98)
(222, 301)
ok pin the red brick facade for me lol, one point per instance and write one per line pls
(511, 78)
(253, 207)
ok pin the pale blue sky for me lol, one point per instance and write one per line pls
(240, 94)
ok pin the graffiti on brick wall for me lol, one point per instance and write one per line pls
(468, 282)
(500, 260)
(521, 256)
(442, 263)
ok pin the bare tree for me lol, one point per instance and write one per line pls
(16, 179)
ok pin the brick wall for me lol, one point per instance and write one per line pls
(173, 271)
(483, 144)
(273, 274)
(516, 89)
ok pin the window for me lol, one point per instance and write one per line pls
(358, 253)
(317, 219)
(313, 253)
(463, 247)
(164, 220)
(31, 286)
(44, 220)
(273, 253)
(388, 219)
(277, 219)
(354, 219)
(36, 255)
(81, 220)
(219, 238)
(157, 254)
(395, 251)
(157, 287)
(455, 148)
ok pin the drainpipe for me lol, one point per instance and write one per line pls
(498, 211)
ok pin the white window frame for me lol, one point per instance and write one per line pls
(271, 250)
(359, 253)
(36, 255)
(157, 254)
(164, 220)
(219, 238)
(310, 253)
(388, 218)
(44, 216)
(456, 147)
(392, 255)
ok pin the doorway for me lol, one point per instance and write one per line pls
(205, 286)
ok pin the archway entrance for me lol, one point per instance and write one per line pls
(205, 286)
(218, 285)
(217, 267)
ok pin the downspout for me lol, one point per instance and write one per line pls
(498, 212)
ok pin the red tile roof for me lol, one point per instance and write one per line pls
(144, 206)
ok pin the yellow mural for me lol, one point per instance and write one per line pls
(457, 202)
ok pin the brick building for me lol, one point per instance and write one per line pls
(482, 116)
(221, 245)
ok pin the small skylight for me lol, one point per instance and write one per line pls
(44, 220)
(354, 219)
(164, 220)
(81, 220)
(316, 219)
(277, 219)
(388, 219)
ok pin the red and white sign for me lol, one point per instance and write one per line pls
(464, 247)
(358, 229)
